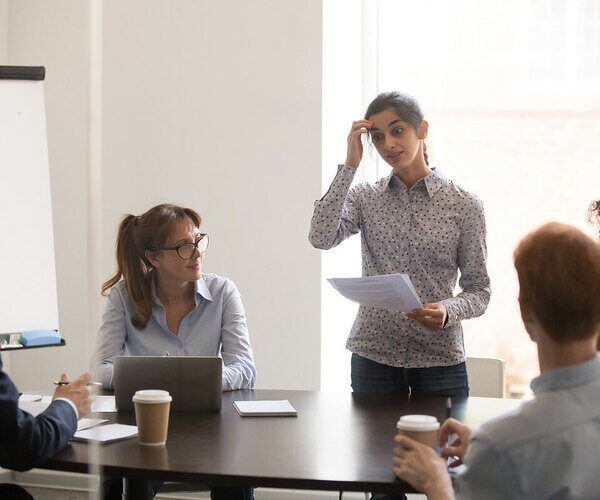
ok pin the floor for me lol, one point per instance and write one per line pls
(49, 494)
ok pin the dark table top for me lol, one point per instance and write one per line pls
(338, 441)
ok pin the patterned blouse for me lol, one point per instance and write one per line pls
(430, 232)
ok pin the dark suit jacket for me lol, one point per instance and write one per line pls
(27, 441)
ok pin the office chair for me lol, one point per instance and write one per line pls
(486, 377)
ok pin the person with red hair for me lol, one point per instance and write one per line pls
(548, 447)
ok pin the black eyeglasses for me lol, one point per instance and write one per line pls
(186, 251)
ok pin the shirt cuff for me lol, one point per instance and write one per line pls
(450, 314)
(446, 319)
(71, 403)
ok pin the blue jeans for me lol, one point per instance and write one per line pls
(370, 376)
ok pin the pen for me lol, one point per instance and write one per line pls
(448, 408)
(66, 382)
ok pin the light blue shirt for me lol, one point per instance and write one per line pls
(547, 448)
(216, 326)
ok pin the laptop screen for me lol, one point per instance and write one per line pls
(194, 382)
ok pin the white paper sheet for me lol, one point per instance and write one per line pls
(388, 291)
(103, 404)
(29, 397)
(33, 407)
(88, 423)
(106, 433)
(40, 403)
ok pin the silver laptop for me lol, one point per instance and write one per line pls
(194, 382)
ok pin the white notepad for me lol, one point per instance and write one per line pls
(106, 433)
(281, 408)
(88, 423)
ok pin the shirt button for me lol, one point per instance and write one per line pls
(179, 345)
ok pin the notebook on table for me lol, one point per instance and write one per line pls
(194, 382)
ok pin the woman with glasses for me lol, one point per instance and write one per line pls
(161, 303)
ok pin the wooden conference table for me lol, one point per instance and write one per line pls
(338, 441)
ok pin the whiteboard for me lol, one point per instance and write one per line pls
(28, 299)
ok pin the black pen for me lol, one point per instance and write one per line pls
(67, 382)
(448, 408)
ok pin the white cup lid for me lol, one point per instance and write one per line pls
(418, 423)
(151, 396)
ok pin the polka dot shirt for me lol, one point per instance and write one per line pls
(431, 232)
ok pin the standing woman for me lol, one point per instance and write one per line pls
(160, 301)
(412, 221)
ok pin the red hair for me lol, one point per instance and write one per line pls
(559, 278)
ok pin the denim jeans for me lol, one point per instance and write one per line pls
(370, 376)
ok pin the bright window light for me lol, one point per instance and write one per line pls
(511, 91)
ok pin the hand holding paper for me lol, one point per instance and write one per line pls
(389, 291)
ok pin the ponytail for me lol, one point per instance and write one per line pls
(133, 267)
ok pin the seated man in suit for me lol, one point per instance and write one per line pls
(548, 448)
(27, 441)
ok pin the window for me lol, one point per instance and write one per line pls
(502, 86)
(561, 45)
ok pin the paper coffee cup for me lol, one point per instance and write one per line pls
(152, 416)
(421, 428)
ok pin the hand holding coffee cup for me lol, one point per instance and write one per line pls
(421, 428)
(152, 416)
(415, 459)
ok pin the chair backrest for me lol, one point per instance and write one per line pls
(486, 377)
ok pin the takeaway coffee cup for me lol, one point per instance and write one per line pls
(422, 428)
(152, 416)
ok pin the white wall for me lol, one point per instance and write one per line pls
(3, 31)
(215, 105)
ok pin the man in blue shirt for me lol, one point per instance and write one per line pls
(548, 447)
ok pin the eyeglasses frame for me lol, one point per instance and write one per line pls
(196, 243)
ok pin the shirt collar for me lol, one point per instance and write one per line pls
(567, 377)
(432, 183)
(201, 291)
